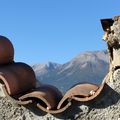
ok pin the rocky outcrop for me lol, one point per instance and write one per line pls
(106, 106)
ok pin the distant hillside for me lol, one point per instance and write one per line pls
(88, 66)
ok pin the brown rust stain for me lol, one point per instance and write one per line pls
(17, 77)
(48, 94)
(6, 51)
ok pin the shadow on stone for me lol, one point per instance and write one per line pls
(33, 108)
(107, 97)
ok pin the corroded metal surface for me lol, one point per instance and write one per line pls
(49, 95)
(6, 51)
(55, 111)
(17, 77)
(17, 81)
(82, 91)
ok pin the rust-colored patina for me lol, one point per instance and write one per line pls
(18, 82)
(17, 77)
(48, 94)
(82, 91)
(6, 51)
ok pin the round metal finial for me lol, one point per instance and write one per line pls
(6, 51)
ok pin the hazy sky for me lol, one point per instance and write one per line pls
(54, 30)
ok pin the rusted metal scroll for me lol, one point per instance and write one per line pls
(47, 98)
(18, 78)
(6, 51)
(18, 81)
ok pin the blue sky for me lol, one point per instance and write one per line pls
(54, 30)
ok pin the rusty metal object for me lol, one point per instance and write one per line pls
(95, 94)
(18, 82)
(83, 90)
(107, 23)
(17, 77)
(55, 111)
(6, 51)
(46, 98)
(48, 94)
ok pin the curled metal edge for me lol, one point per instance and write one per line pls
(18, 78)
(56, 111)
(48, 94)
(15, 101)
(79, 90)
(96, 93)
(6, 51)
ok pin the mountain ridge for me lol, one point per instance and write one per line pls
(89, 66)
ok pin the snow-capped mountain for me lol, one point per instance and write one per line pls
(86, 67)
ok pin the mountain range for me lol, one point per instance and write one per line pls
(89, 66)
